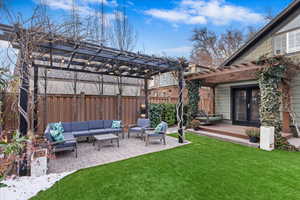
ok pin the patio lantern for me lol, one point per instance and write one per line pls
(143, 111)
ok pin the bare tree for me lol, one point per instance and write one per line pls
(123, 35)
(270, 14)
(211, 49)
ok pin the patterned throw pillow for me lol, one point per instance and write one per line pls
(160, 127)
(116, 124)
(56, 132)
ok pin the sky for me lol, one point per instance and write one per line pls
(164, 27)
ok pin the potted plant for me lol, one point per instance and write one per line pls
(13, 149)
(253, 134)
(195, 124)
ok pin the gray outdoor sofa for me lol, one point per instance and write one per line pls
(72, 130)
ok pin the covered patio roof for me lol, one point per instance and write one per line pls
(80, 56)
(237, 72)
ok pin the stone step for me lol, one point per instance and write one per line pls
(287, 135)
(227, 138)
(295, 142)
(231, 133)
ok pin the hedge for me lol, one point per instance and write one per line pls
(162, 112)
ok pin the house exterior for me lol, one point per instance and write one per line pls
(236, 90)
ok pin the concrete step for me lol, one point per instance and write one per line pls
(295, 142)
(231, 133)
(227, 138)
(287, 135)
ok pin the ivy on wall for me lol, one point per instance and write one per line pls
(270, 78)
(193, 87)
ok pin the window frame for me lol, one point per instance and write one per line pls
(288, 49)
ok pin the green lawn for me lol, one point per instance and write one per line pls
(206, 169)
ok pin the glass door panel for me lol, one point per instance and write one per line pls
(240, 105)
(254, 105)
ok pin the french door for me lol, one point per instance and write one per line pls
(245, 105)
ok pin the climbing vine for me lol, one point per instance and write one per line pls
(193, 87)
(270, 79)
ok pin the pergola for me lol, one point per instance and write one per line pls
(80, 56)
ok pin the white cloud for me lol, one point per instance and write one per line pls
(218, 12)
(178, 50)
(84, 6)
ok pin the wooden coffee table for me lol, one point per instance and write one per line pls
(103, 138)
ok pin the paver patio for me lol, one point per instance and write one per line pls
(89, 156)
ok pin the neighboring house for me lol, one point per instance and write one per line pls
(165, 85)
(235, 86)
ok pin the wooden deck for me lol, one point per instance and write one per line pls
(227, 129)
(233, 130)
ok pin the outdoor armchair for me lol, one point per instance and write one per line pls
(161, 135)
(139, 128)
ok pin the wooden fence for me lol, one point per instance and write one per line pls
(68, 108)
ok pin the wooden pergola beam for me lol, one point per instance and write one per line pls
(250, 67)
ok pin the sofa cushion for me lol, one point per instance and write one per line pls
(69, 136)
(143, 123)
(136, 129)
(80, 126)
(107, 123)
(81, 133)
(96, 124)
(67, 126)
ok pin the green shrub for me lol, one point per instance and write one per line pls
(195, 124)
(169, 114)
(253, 132)
(162, 112)
(155, 114)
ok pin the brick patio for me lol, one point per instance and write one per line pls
(89, 156)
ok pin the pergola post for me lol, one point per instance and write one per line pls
(119, 100)
(23, 97)
(35, 98)
(180, 106)
(146, 97)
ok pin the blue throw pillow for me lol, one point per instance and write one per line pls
(116, 124)
(160, 127)
(56, 132)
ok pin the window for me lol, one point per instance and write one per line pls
(293, 41)
(279, 44)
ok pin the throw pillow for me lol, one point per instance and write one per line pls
(56, 132)
(158, 128)
(56, 135)
(116, 124)
(161, 127)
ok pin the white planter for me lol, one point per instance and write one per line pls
(267, 138)
(39, 164)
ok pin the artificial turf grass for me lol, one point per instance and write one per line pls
(205, 169)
